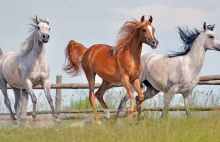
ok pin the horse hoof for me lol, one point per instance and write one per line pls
(107, 114)
(98, 122)
(20, 124)
(57, 120)
(127, 111)
(33, 121)
(14, 122)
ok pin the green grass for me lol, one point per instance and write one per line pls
(201, 127)
(194, 129)
(111, 97)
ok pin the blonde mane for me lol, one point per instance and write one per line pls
(125, 34)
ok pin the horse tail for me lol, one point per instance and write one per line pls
(74, 53)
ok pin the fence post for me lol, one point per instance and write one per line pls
(24, 102)
(58, 93)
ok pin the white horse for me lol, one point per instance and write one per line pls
(27, 69)
(179, 72)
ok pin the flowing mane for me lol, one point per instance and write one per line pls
(125, 34)
(27, 45)
(188, 37)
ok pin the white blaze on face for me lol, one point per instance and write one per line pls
(150, 29)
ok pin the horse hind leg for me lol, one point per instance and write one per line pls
(17, 93)
(99, 95)
(3, 85)
(90, 75)
(122, 104)
(149, 92)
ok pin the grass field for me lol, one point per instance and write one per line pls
(200, 127)
(194, 129)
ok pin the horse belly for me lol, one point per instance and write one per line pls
(157, 79)
(104, 65)
(13, 80)
(15, 83)
(157, 84)
(110, 75)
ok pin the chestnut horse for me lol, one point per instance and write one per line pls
(120, 64)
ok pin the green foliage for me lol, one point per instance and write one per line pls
(80, 104)
(111, 98)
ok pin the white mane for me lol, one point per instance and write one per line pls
(27, 45)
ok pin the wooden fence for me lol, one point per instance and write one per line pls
(204, 80)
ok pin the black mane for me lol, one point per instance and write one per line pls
(188, 37)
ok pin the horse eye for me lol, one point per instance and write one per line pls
(144, 30)
(38, 28)
(49, 28)
(211, 36)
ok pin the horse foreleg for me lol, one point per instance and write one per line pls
(130, 92)
(46, 85)
(17, 93)
(28, 87)
(167, 99)
(99, 95)
(137, 87)
(186, 97)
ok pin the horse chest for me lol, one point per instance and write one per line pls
(37, 73)
(134, 72)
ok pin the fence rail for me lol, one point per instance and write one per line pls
(204, 80)
(82, 114)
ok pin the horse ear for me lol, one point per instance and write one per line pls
(204, 26)
(142, 19)
(47, 20)
(37, 20)
(150, 19)
(213, 27)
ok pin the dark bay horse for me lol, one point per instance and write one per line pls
(119, 64)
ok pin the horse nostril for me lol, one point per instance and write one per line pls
(43, 36)
(48, 36)
(153, 43)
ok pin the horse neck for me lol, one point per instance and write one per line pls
(196, 55)
(135, 48)
(38, 51)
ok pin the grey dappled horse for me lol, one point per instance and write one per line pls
(178, 72)
(27, 69)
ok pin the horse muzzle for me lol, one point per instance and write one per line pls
(154, 43)
(45, 38)
(45, 41)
